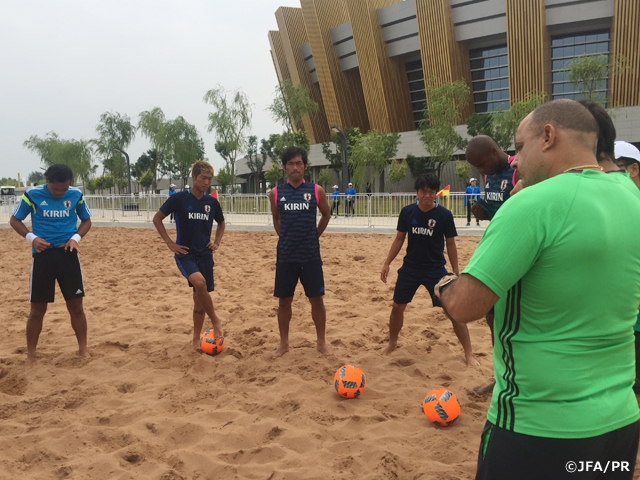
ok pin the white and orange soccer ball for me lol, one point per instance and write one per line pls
(349, 381)
(210, 344)
(441, 407)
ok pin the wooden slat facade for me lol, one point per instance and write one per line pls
(443, 58)
(384, 79)
(293, 35)
(341, 91)
(625, 35)
(529, 49)
(278, 56)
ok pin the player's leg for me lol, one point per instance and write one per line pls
(460, 329)
(201, 292)
(406, 286)
(69, 276)
(79, 324)
(198, 320)
(312, 279)
(42, 284)
(285, 285)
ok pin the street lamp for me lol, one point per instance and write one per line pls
(345, 165)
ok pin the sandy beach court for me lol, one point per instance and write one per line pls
(147, 406)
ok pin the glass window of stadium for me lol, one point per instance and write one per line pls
(415, 76)
(566, 48)
(490, 78)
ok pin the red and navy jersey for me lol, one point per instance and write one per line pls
(497, 189)
(427, 232)
(298, 241)
(194, 219)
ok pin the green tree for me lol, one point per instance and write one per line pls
(145, 162)
(146, 180)
(506, 122)
(152, 124)
(9, 182)
(333, 153)
(480, 124)
(255, 160)
(437, 130)
(224, 178)
(325, 178)
(397, 172)
(229, 120)
(463, 171)
(115, 134)
(588, 74)
(371, 154)
(183, 147)
(77, 154)
(291, 103)
(273, 176)
(36, 178)
(417, 165)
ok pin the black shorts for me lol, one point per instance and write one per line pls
(310, 275)
(189, 264)
(410, 279)
(506, 455)
(55, 264)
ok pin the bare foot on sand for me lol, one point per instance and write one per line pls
(84, 353)
(282, 349)
(485, 389)
(472, 361)
(389, 348)
(31, 359)
(322, 347)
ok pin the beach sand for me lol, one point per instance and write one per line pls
(148, 406)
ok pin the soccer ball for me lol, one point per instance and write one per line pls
(209, 344)
(349, 381)
(441, 407)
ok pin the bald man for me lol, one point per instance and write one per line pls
(565, 302)
(499, 178)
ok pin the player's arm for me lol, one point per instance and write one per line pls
(213, 246)
(396, 246)
(452, 253)
(275, 213)
(83, 229)
(325, 211)
(38, 243)
(173, 246)
(466, 298)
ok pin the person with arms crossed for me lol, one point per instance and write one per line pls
(429, 227)
(471, 196)
(54, 208)
(564, 359)
(350, 200)
(193, 248)
(335, 200)
(294, 207)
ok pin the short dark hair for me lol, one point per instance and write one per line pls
(564, 114)
(293, 152)
(58, 173)
(626, 161)
(429, 180)
(606, 130)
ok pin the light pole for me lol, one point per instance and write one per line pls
(345, 165)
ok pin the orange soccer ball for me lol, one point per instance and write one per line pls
(349, 381)
(209, 344)
(441, 407)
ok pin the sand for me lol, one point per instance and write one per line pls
(148, 406)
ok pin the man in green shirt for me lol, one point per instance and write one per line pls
(566, 296)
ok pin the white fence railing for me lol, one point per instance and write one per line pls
(377, 209)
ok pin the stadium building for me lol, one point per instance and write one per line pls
(365, 61)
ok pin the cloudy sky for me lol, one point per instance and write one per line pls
(65, 62)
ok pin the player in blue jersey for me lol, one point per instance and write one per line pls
(429, 227)
(294, 207)
(194, 215)
(54, 208)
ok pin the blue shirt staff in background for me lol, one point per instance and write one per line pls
(335, 201)
(471, 196)
(349, 206)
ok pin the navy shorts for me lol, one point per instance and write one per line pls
(506, 455)
(55, 264)
(189, 264)
(310, 275)
(410, 279)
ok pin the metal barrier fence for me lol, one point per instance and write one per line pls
(369, 210)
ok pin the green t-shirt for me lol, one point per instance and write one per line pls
(563, 258)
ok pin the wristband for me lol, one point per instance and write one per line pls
(76, 237)
(30, 237)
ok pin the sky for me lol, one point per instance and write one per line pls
(65, 62)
